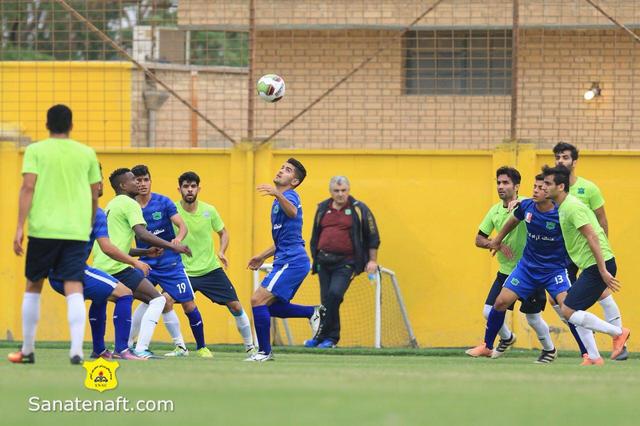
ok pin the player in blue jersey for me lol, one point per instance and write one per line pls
(100, 288)
(291, 263)
(543, 263)
(167, 270)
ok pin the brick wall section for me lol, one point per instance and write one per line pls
(401, 12)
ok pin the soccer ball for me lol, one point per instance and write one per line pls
(271, 87)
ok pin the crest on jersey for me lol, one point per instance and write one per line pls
(206, 214)
(580, 190)
(156, 215)
(528, 217)
(101, 374)
(276, 209)
(515, 281)
(551, 226)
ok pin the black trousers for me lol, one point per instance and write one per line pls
(334, 283)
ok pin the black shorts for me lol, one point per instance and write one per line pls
(130, 277)
(216, 286)
(572, 271)
(63, 260)
(589, 287)
(532, 305)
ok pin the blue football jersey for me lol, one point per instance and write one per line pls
(157, 213)
(545, 247)
(287, 232)
(99, 229)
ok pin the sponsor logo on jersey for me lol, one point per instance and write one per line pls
(158, 231)
(528, 217)
(277, 226)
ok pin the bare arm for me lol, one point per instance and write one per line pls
(144, 235)
(256, 261)
(115, 253)
(95, 194)
(601, 215)
(224, 244)
(509, 226)
(177, 220)
(594, 245)
(24, 206)
(287, 207)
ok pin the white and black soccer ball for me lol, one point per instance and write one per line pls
(271, 87)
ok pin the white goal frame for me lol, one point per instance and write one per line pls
(268, 267)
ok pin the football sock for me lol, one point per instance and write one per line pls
(244, 327)
(494, 322)
(136, 320)
(172, 323)
(611, 311)
(197, 327)
(122, 322)
(504, 332)
(262, 322)
(98, 324)
(589, 342)
(572, 328)
(542, 330)
(289, 310)
(76, 314)
(149, 321)
(30, 317)
(592, 322)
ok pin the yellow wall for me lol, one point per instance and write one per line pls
(428, 205)
(98, 93)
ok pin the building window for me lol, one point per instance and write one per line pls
(458, 62)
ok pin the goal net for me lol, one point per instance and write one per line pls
(372, 314)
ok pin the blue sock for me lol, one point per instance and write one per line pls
(122, 322)
(494, 323)
(576, 336)
(289, 310)
(262, 322)
(98, 323)
(195, 321)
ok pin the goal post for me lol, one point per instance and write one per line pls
(373, 313)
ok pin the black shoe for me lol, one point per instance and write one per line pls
(624, 355)
(76, 359)
(20, 358)
(547, 357)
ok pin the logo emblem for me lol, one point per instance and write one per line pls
(580, 190)
(101, 374)
(206, 214)
(514, 281)
(528, 217)
(276, 209)
(551, 226)
(156, 215)
(347, 212)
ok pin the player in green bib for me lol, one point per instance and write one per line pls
(205, 267)
(508, 182)
(588, 192)
(124, 222)
(589, 249)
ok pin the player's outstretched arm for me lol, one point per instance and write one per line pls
(256, 261)
(144, 235)
(287, 207)
(148, 252)
(24, 205)
(115, 253)
(177, 220)
(594, 245)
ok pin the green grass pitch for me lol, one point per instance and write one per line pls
(345, 387)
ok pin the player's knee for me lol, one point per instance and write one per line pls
(34, 286)
(501, 304)
(189, 306)
(234, 307)
(566, 312)
(121, 291)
